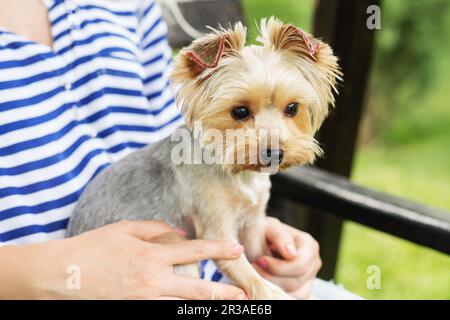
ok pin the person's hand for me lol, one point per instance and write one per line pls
(118, 261)
(296, 259)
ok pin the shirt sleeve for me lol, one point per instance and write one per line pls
(157, 62)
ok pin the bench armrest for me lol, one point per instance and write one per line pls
(336, 195)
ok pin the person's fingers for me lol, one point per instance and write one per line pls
(299, 287)
(281, 267)
(144, 230)
(305, 291)
(294, 230)
(168, 237)
(308, 256)
(304, 241)
(308, 250)
(311, 272)
(288, 284)
(280, 239)
(170, 298)
(198, 289)
(295, 268)
(195, 250)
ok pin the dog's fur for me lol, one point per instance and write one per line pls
(224, 201)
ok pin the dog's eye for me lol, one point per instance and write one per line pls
(291, 109)
(240, 113)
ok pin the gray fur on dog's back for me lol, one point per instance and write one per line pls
(145, 185)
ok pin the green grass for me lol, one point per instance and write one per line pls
(408, 271)
(411, 158)
(413, 161)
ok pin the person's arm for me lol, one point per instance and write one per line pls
(298, 259)
(118, 261)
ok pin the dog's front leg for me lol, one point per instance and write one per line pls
(252, 234)
(252, 237)
(240, 271)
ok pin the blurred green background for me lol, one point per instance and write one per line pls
(404, 142)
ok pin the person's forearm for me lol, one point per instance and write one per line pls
(12, 273)
(24, 270)
(114, 262)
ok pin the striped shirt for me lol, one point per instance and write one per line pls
(68, 111)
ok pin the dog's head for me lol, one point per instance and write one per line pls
(271, 97)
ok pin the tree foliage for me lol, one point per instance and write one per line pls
(412, 46)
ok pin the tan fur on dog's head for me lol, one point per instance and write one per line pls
(218, 73)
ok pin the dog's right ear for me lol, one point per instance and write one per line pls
(205, 54)
(313, 57)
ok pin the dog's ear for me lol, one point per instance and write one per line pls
(206, 53)
(282, 36)
(314, 57)
(196, 63)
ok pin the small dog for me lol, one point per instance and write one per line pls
(282, 86)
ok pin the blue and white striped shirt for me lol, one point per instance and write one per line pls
(66, 112)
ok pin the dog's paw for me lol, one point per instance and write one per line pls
(266, 290)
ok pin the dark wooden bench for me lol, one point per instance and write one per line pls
(319, 199)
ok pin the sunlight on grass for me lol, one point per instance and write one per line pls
(408, 271)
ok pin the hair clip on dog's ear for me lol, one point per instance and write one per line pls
(289, 37)
(209, 55)
(313, 49)
(207, 52)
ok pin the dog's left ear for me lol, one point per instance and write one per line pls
(206, 53)
(314, 57)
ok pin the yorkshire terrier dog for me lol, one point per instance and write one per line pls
(271, 97)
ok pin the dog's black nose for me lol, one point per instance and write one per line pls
(272, 156)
